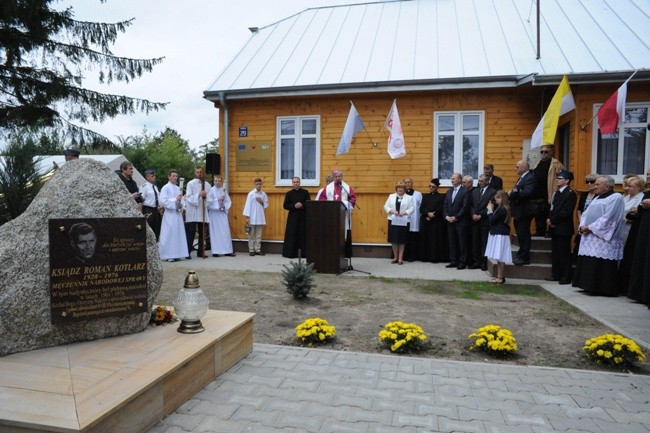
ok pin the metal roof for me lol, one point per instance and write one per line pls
(415, 44)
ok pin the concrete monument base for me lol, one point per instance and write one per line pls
(121, 384)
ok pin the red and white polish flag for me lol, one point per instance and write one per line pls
(612, 112)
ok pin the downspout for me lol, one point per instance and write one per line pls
(539, 48)
(226, 144)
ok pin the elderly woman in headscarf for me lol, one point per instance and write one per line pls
(601, 246)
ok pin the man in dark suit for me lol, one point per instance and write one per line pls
(519, 197)
(481, 196)
(559, 224)
(456, 213)
(468, 183)
(494, 182)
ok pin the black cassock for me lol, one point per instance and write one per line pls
(296, 230)
(639, 285)
(433, 232)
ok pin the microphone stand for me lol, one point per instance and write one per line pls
(350, 268)
(203, 234)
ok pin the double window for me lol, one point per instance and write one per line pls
(298, 152)
(626, 151)
(458, 144)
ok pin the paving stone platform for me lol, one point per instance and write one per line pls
(283, 389)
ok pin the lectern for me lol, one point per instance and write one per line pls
(326, 236)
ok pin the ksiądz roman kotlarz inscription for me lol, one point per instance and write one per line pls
(98, 268)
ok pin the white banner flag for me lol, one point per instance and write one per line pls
(396, 148)
(353, 125)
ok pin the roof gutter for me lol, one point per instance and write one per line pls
(371, 87)
(486, 82)
(592, 78)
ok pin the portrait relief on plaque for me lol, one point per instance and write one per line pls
(98, 268)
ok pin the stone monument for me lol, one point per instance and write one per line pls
(80, 189)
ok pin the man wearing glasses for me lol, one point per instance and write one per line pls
(545, 175)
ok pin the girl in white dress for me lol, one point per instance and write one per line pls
(498, 244)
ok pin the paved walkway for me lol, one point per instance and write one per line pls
(290, 390)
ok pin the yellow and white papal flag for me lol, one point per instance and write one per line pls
(396, 147)
(561, 103)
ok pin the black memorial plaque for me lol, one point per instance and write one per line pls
(98, 268)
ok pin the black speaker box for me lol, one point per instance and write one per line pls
(212, 163)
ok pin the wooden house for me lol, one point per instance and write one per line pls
(472, 79)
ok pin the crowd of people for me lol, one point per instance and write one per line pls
(469, 225)
(194, 217)
(464, 227)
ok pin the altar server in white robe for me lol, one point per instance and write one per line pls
(173, 242)
(601, 242)
(218, 209)
(256, 202)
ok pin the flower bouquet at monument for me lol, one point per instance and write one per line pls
(162, 314)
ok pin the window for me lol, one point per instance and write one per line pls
(458, 144)
(626, 151)
(298, 152)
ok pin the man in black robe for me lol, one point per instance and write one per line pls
(125, 173)
(433, 227)
(295, 234)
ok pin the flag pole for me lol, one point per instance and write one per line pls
(583, 127)
(374, 143)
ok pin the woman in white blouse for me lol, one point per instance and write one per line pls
(398, 207)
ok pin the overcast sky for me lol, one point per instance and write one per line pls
(197, 39)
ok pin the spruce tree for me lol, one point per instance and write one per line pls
(44, 54)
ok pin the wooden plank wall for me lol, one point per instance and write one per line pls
(510, 117)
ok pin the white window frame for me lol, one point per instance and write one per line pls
(618, 176)
(298, 136)
(458, 142)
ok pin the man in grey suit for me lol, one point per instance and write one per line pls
(456, 212)
(519, 198)
(481, 196)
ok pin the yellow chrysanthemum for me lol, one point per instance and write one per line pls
(402, 337)
(613, 350)
(315, 331)
(494, 339)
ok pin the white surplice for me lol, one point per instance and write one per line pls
(193, 205)
(604, 216)
(173, 242)
(220, 204)
(255, 210)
